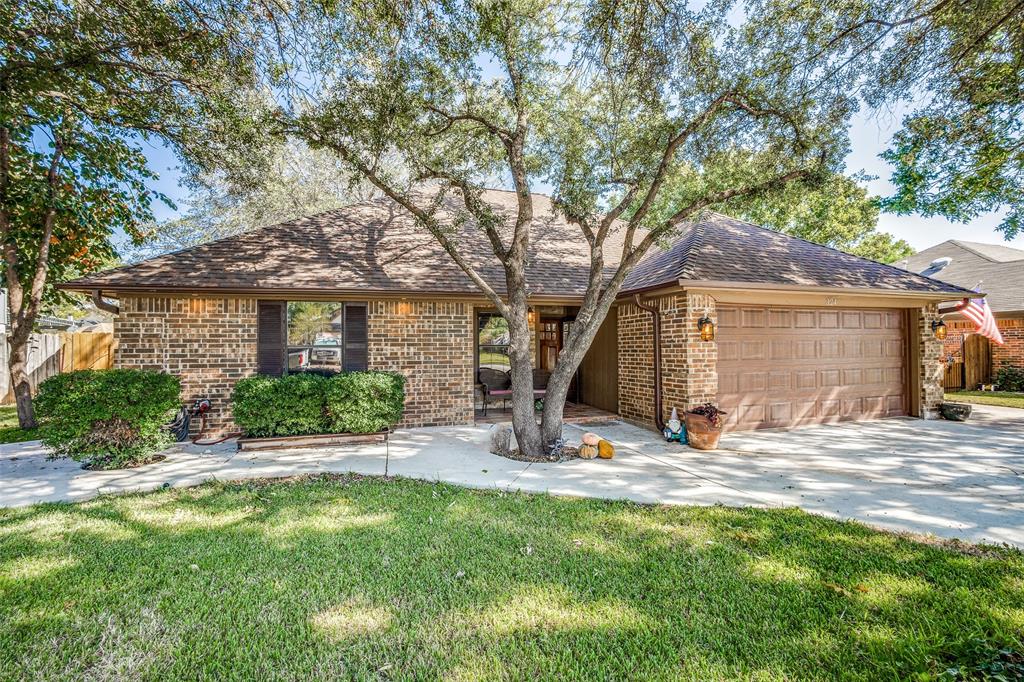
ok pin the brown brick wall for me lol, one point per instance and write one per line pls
(431, 343)
(688, 377)
(702, 356)
(209, 343)
(636, 362)
(1011, 354)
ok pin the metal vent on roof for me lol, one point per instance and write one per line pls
(936, 265)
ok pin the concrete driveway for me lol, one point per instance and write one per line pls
(943, 478)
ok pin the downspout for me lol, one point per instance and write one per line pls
(97, 300)
(659, 421)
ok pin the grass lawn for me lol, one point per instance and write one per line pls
(369, 578)
(10, 432)
(1001, 398)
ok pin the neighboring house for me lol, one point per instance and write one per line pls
(804, 333)
(998, 271)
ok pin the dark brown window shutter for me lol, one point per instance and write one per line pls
(271, 338)
(355, 358)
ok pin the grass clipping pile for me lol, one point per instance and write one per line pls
(592, 445)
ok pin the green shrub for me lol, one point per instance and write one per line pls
(108, 418)
(278, 406)
(364, 402)
(302, 404)
(1010, 379)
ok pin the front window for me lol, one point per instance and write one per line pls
(492, 343)
(315, 338)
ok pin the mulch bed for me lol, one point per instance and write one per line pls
(567, 453)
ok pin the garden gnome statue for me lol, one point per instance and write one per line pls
(674, 428)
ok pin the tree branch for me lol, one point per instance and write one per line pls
(501, 133)
(476, 208)
(666, 162)
(424, 217)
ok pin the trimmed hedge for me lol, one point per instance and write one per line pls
(304, 404)
(107, 418)
(1010, 379)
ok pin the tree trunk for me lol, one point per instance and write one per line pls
(18, 369)
(524, 417)
(587, 324)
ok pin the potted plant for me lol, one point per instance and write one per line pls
(704, 426)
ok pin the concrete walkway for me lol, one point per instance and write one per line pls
(943, 478)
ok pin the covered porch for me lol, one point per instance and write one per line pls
(593, 394)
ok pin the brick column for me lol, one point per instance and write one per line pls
(689, 372)
(929, 366)
(701, 356)
(636, 364)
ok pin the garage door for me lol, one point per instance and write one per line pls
(782, 367)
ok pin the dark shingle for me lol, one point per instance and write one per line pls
(376, 246)
(723, 249)
(995, 269)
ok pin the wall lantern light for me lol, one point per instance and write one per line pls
(531, 316)
(939, 329)
(707, 328)
(404, 307)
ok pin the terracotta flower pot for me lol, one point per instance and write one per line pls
(700, 432)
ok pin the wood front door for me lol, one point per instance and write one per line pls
(780, 366)
(550, 335)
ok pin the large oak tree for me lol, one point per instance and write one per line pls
(82, 86)
(957, 68)
(602, 101)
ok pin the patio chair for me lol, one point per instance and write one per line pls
(494, 384)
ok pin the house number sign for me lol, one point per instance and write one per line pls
(831, 300)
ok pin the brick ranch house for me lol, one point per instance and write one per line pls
(804, 334)
(999, 270)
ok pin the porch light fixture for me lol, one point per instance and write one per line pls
(531, 316)
(939, 329)
(707, 328)
(404, 307)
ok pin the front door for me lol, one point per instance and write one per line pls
(550, 334)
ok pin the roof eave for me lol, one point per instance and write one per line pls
(943, 295)
(294, 292)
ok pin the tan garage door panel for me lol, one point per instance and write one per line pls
(788, 366)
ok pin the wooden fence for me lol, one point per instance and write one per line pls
(51, 354)
(973, 366)
(953, 379)
(87, 350)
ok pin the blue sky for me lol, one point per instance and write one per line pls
(870, 135)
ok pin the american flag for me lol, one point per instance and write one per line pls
(978, 312)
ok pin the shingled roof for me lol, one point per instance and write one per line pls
(370, 246)
(376, 246)
(998, 269)
(722, 249)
